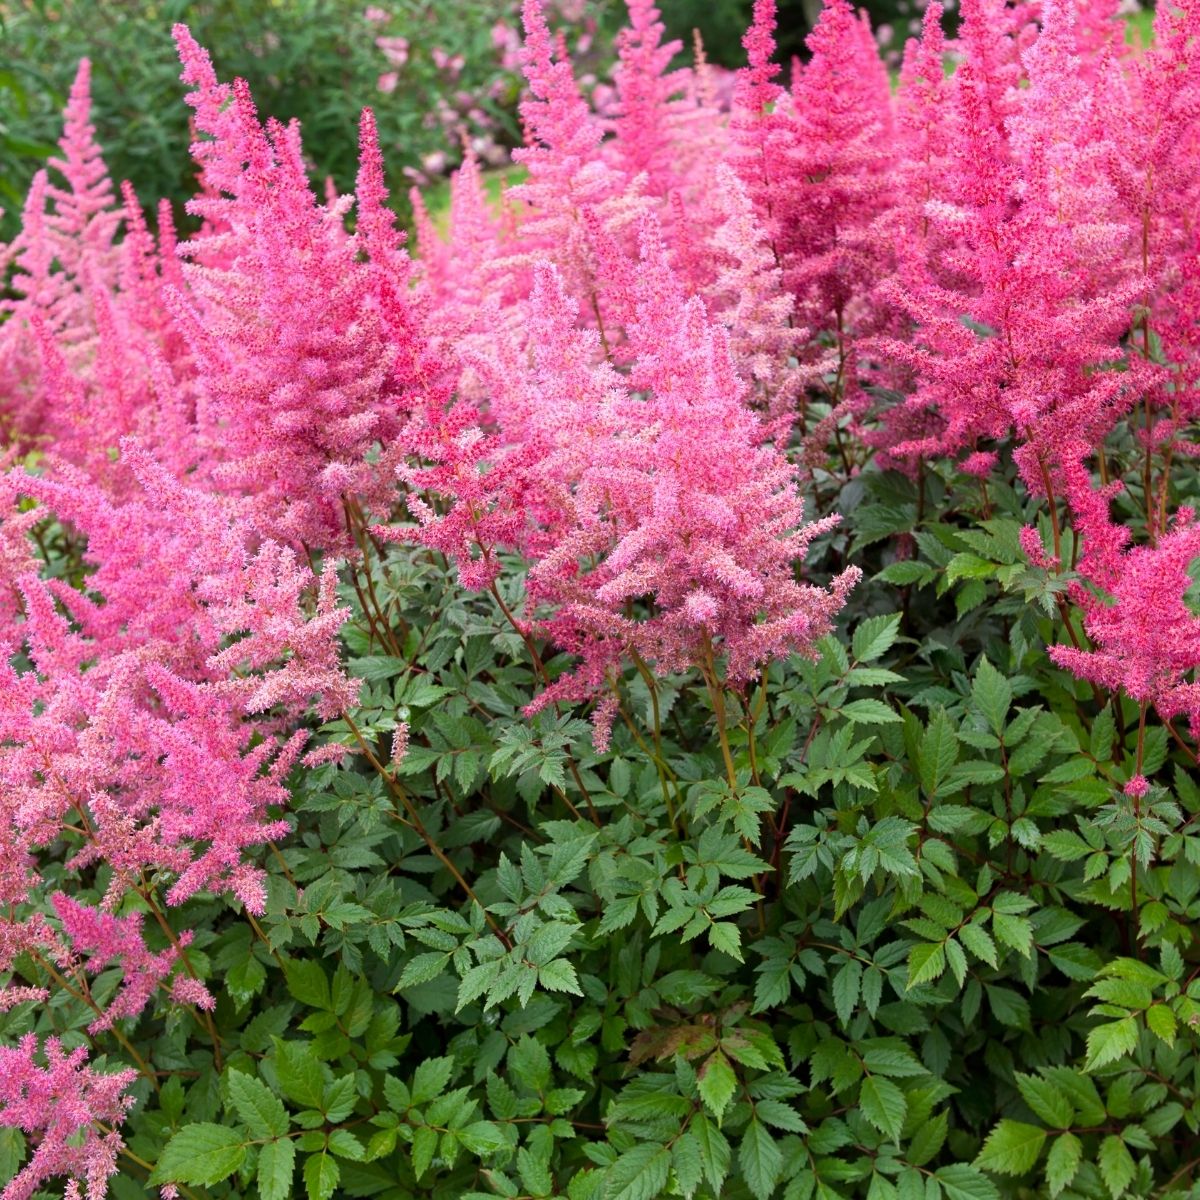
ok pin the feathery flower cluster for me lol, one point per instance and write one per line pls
(690, 523)
(131, 722)
(1147, 641)
(658, 519)
(295, 355)
(1047, 247)
(62, 1106)
(637, 314)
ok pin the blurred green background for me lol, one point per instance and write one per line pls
(433, 70)
(316, 60)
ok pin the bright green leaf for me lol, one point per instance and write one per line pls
(276, 1167)
(257, 1106)
(1046, 1101)
(200, 1154)
(1110, 1041)
(1116, 1166)
(1063, 1161)
(883, 1104)
(717, 1082)
(639, 1174)
(321, 1174)
(760, 1159)
(1011, 1148)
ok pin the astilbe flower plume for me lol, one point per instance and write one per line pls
(458, 273)
(84, 215)
(89, 353)
(502, 474)
(102, 938)
(839, 187)
(761, 133)
(65, 260)
(667, 131)
(1158, 137)
(1019, 193)
(645, 90)
(573, 196)
(1031, 248)
(137, 720)
(63, 1107)
(747, 296)
(284, 320)
(659, 520)
(704, 515)
(921, 105)
(1147, 637)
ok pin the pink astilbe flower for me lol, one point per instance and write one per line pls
(421, 377)
(1099, 32)
(484, 481)
(291, 347)
(17, 557)
(211, 577)
(60, 320)
(1158, 140)
(563, 160)
(505, 476)
(584, 192)
(817, 164)
(749, 299)
(657, 517)
(979, 463)
(464, 299)
(667, 131)
(89, 352)
(1177, 323)
(102, 938)
(138, 720)
(11, 997)
(1034, 252)
(1035, 549)
(567, 394)
(762, 133)
(840, 179)
(1137, 787)
(186, 990)
(68, 229)
(161, 766)
(61, 1108)
(1147, 640)
(572, 192)
(646, 94)
(990, 38)
(331, 752)
(84, 214)
(1158, 135)
(684, 525)
(922, 102)
(40, 291)
(399, 743)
